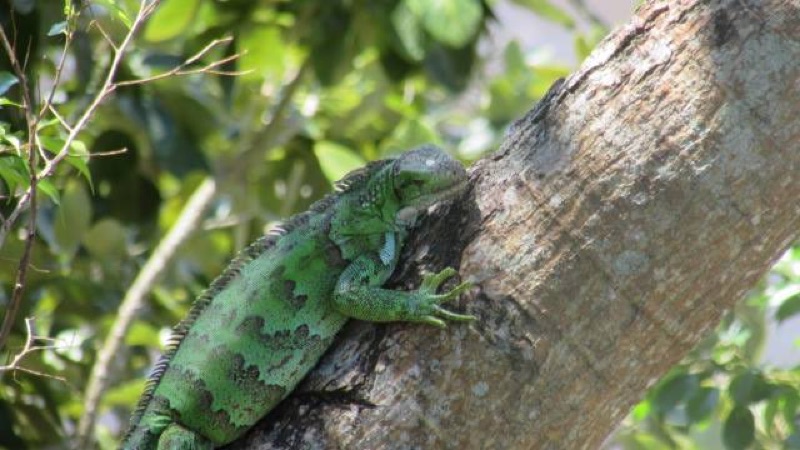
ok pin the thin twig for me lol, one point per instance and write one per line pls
(27, 349)
(102, 31)
(60, 118)
(118, 151)
(24, 261)
(181, 69)
(47, 105)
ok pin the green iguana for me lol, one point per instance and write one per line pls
(264, 323)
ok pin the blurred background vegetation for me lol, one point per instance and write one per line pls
(274, 100)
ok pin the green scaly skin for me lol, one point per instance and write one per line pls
(265, 322)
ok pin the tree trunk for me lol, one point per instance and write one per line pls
(620, 220)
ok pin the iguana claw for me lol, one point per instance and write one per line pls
(430, 299)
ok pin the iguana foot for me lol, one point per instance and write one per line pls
(427, 308)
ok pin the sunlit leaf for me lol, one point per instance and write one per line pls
(45, 124)
(451, 22)
(46, 186)
(4, 101)
(119, 12)
(51, 143)
(171, 19)
(336, 160)
(142, 333)
(582, 47)
(642, 410)
(409, 31)
(79, 158)
(263, 53)
(124, 394)
(13, 171)
(409, 134)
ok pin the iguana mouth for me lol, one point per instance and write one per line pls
(428, 200)
(424, 202)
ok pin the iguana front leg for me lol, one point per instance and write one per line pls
(358, 295)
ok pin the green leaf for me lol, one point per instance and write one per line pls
(741, 386)
(451, 22)
(124, 394)
(739, 429)
(119, 11)
(79, 159)
(409, 134)
(674, 391)
(171, 19)
(13, 171)
(4, 101)
(47, 188)
(6, 81)
(702, 404)
(106, 240)
(73, 219)
(582, 47)
(749, 387)
(791, 405)
(336, 160)
(51, 143)
(788, 299)
(548, 11)
(142, 333)
(641, 411)
(264, 53)
(514, 59)
(45, 124)
(408, 28)
(13, 140)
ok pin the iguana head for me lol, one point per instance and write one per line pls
(425, 176)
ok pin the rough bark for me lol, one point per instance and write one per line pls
(618, 222)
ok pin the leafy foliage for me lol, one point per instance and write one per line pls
(321, 86)
(724, 395)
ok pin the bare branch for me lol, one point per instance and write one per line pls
(182, 69)
(106, 37)
(47, 105)
(119, 151)
(59, 117)
(27, 349)
(24, 261)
